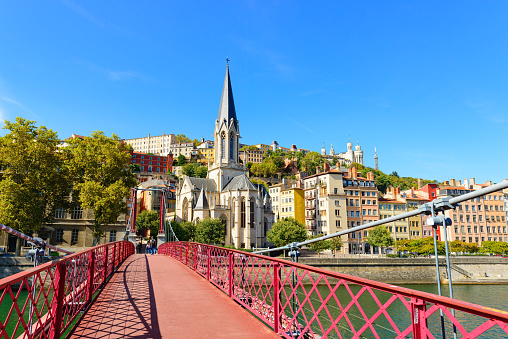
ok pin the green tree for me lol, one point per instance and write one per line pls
(135, 168)
(311, 161)
(494, 247)
(286, 231)
(34, 181)
(182, 138)
(193, 169)
(184, 231)
(249, 148)
(202, 172)
(319, 246)
(181, 160)
(425, 246)
(99, 168)
(210, 231)
(404, 245)
(380, 236)
(335, 244)
(148, 220)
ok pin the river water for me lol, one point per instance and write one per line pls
(494, 296)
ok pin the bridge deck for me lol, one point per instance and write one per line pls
(158, 297)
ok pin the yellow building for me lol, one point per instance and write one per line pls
(388, 208)
(292, 204)
(206, 154)
(263, 147)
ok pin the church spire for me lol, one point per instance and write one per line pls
(227, 104)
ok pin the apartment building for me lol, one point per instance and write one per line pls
(362, 207)
(478, 219)
(325, 203)
(391, 207)
(206, 151)
(254, 156)
(158, 144)
(186, 149)
(152, 163)
(275, 195)
(292, 204)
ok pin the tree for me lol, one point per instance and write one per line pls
(311, 161)
(194, 169)
(494, 247)
(35, 182)
(184, 231)
(99, 169)
(181, 160)
(182, 138)
(249, 148)
(319, 246)
(135, 168)
(335, 244)
(148, 220)
(210, 231)
(380, 237)
(286, 231)
(404, 245)
(425, 246)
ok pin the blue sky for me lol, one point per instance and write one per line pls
(426, 82)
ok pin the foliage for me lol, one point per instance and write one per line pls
(194, 169)
(380, 236)
(286, 231)
(135, 168)
(311, 161)
(99, 168)
(210, 231)
(184, 231)
(494, 247)
(181, 160)
(182, 138)
(249, 148)
(148, 220)
(265, 169)
(35, 182)
(259, 182)
(335, 243)
(320, 246)
(424, 246)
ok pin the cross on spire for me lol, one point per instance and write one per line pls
(227, 61)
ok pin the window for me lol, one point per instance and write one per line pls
(59, 213)
(59, 235)
(242, 213)
(74, 237)
(77, 213)
(112, 236)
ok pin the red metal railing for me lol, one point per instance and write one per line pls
(44, 301)
(300, 301)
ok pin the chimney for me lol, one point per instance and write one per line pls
(459, 182)
(318, 169)
(452, 182)
(446, 183)
(327, 167)
(466, 183)
(489, 182)
(350, 172)
(420, 183)
(472, 181)
(354, 172)
(337, 165)
(397, 191)
(394, 195)
(370, 176)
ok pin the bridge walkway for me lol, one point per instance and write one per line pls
(154, 296)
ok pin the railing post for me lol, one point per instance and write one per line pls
(208, 268)
(276, 297)
(115, 257)
(59, 290)
(230, 273)
(105, 268)
(196, 249)
(418, 318)
(186, 254)
(91, 271)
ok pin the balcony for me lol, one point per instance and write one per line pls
(310, 197)
(310, 206)
(310, 216)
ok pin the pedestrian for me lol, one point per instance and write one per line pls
(154, 246)
(139, 247)
(148, 247)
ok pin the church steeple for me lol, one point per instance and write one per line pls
(227, 104)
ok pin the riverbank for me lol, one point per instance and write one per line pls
(464, 270)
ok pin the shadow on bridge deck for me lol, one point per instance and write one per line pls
(158, 297)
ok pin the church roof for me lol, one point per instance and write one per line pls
(227, 104)
(202, 203)
(240, 182)
(200, 183)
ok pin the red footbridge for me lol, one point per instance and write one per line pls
(191, 290)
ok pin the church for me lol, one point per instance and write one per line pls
(227, 193)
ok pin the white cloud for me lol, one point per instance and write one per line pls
(113, 75)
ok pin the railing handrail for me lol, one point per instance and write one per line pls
(448, 302)
(12, 279)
